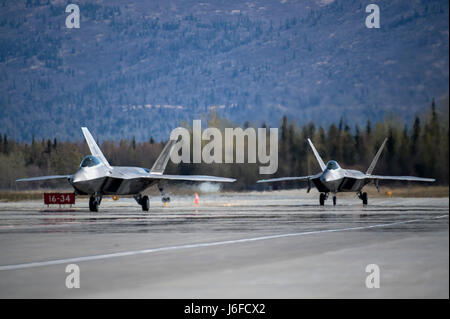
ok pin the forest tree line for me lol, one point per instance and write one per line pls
(420, 149)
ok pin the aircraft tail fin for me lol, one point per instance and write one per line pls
(316, 154)
(95, 150)
(375, 159)
(161, 162)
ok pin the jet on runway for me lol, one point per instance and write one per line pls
(334, 179)
(96, 177)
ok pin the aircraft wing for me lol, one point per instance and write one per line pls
(281, 179)
(193, 178)
(43, 178)
(400, 178)
(158, 176)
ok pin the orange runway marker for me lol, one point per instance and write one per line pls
(196, 199)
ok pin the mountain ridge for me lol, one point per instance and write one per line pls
(143, 68)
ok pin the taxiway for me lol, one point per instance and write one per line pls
(250, 245)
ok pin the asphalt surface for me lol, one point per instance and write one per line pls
(252, 245)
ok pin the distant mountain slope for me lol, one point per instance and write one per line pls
(139, 68)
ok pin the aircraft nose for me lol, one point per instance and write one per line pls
(326, 177)
(76, 177)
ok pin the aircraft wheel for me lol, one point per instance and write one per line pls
(93, 204)
(334, 200)
(166, 200)
(322, 199)
(145, 203)
(364, 198)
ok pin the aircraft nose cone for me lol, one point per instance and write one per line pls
(75, 178)
(326, 178)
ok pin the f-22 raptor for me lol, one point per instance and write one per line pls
(334, 179)
(96, 177)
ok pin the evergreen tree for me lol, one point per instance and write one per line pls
(49, 147)
(5, 144)
(368, 128)
(415, 136)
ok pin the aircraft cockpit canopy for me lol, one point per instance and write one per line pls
(331, 165)
(90, 161)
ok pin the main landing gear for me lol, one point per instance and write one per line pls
(324, 196)
(94, 203)
(165, 199)
(363, 197)
(144, 201)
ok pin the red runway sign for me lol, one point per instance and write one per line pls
(59, 198)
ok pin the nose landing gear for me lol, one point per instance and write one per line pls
(94, 203)
(322, 198)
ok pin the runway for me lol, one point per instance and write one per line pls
(244, 245)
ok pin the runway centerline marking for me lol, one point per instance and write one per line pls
(210, 244)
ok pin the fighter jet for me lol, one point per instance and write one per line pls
(334, 179)
(96, 177)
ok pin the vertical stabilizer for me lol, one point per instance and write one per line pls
(95, 150)
(316, 154)
(375, 159)
(161, 161)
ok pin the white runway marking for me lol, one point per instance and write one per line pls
(189, 246)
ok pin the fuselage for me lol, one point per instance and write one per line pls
(335, 179)
(93, 177)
